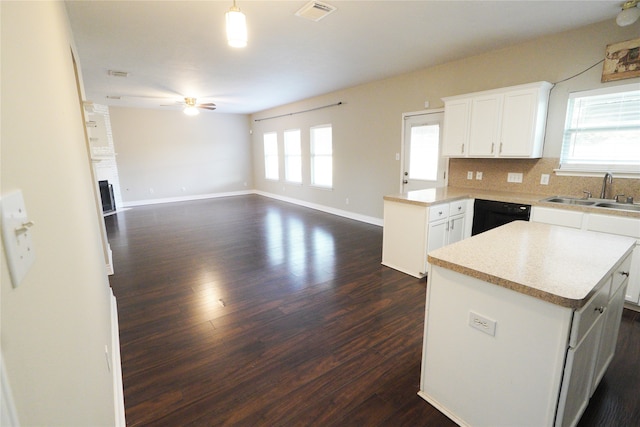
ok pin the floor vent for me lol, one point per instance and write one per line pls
(315, 10)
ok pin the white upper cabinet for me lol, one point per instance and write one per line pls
(507, 122)
(456, 128)
(484, 132)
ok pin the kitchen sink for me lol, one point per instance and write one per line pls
(570, 201)
(596, 203)
(619, 206)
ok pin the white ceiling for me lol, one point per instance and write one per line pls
(174, 49)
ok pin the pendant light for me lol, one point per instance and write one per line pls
(236, 27)
(630, 13)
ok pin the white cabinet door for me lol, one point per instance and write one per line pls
(519, 124)
(437, 234)
(609, 337)
(578, 374)
(456, 229)
(485, 122)
(456, 128)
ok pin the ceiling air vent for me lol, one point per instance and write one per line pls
(315, 10)
(115, 73)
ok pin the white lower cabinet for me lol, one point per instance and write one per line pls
(610, 224)
(410, 231)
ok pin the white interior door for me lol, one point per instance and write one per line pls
(423, 165)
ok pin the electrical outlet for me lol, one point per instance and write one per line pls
(346, 201)
(479, 176)
(514, 177)
(481, 323)
(397, 156)
(544, 179)
(470, 175)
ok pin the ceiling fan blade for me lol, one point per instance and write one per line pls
(207, 106)
(175, 104)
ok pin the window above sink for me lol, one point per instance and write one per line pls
(602, 132)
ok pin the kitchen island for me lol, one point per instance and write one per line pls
(521, 323)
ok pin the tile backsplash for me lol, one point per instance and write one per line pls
(495, 172)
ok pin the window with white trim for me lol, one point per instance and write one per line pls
(602, 131)
(321, 156)
(271, 169)
(292, 156)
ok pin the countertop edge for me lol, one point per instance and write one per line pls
(514, 286)
(450, 194)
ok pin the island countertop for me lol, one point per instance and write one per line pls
(556, 264)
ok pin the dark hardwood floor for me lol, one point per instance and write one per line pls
(250, 311)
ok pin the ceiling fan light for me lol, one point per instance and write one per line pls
(629, 14)
(236, 27)
(191, 111)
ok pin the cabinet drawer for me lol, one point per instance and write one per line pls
(566, 218)
(437, 212)
(587, 315)
(614, 225)
(457, 207)
(620, 275)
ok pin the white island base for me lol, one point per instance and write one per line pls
(498, 353)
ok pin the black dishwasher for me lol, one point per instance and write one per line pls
(488, 214)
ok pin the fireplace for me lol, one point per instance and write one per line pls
(106, 194)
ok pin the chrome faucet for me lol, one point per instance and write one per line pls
(608, 178)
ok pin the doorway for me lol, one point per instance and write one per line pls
(422, 164)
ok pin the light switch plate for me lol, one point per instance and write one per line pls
(514, 177)
(16, 235)
(544, 179)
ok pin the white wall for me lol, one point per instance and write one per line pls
(367, 128)
(164, 154)
(55, 326)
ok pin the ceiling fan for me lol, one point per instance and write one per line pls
(191, 106)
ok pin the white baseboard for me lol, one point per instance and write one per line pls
(327, 209)
(184, 198)
(116, 364)
(110, 270)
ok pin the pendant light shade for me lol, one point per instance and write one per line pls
(191, 111)
(630, 13)
(236, 27)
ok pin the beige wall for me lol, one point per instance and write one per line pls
(367, 128)
(167, 154)
(55, 326)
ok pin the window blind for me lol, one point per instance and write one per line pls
(602, 130)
